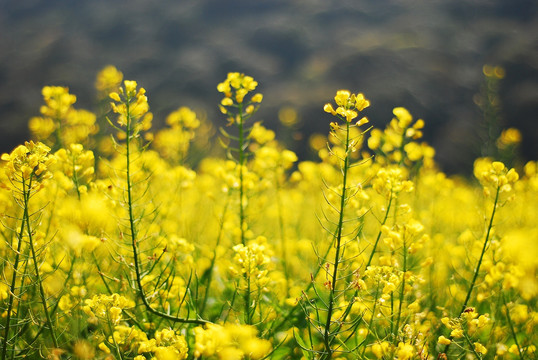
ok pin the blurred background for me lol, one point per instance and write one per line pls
(427, 56)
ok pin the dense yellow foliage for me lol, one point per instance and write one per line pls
(117, 249)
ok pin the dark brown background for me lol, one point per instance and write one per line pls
(424, 55)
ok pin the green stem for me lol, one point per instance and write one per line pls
(511, 325)
(241, 163)
(379, 233)
(240, 125)
(477, 270)
(327, 336)
(75, 177)
(371, 322)
(282, 237)
(214, 258)
(486, 241)
(14, 275)
(38, 276)
(133, 234)
(248, 317)
(471, 346)
(403, 287)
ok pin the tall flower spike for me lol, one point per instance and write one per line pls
(132, 104)
(28, 161)
(235, 88)
(349, 106)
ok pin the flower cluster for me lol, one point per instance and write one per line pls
(132, 107)
(107, 308)
(108, 80)
(470, 324)
(235, 88)
(173, 142)
(76, 164)
(60, 122)
(349, 106)
(397, 143)
(165, 250)
(28, 165)
(252, 261)
(494, 175)
(167, 344)
(229, 342)
(391, 181)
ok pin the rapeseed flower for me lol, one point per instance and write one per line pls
(27, 166)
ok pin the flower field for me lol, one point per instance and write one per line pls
(120, 242)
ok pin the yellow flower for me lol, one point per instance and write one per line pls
(261, 134)
(252, 261)
(329, 109)
(495, 176)
(83, 350)
(392, 181)
(42, 127)
(236, 87)
(102, 346)
(380, 349)
(257, 98)
(28, 165)
(456, 333)
(114, 96)
(479, 348)
(508, 138)
(349, 105)
(405, 351)
(58, 101)
(227, 102)
(443, 340)
(403, 116)
(108, 80)
(132, 105)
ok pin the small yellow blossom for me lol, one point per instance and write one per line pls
(28, 165)
(443, 340)
(456, 333)
(479, 348)
(349, 106)
(405, 351)
(380, 349)
(108, 80)
(132, 107)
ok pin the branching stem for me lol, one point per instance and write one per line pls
(327, 336)
(133, 231)
(477, 270)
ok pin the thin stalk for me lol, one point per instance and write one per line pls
(214, 258)
(392, 312)
(511, 325)
(379, 233)
(318, 269)
(241, 140)
(486, 240)
(134, 233)
(466, 337)
(58, 144)
(332, 295)
(241, 163)
(13, 284)
(403, 285)
(371, 322)
(38, 276)
(282, 236)
(116, 346)
(75, 177)
(475, 275)
(248, 317)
